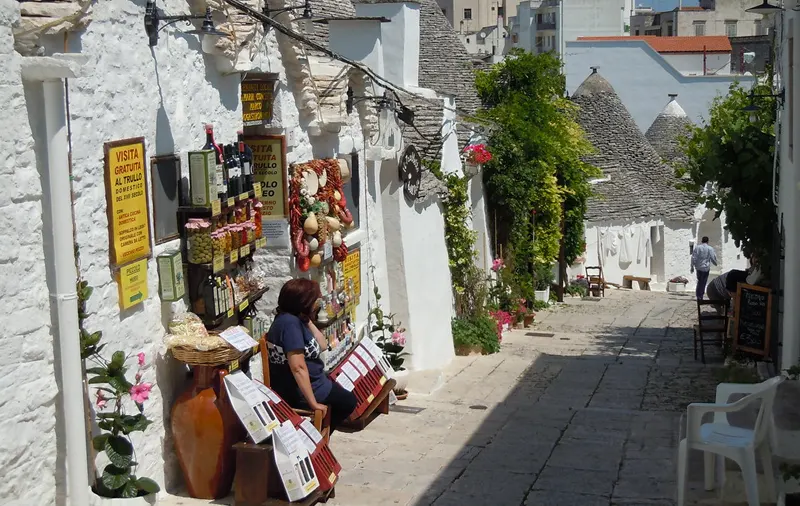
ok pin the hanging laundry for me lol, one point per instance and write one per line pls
(625, 246)
(611, 242)
(658, 234)
(641, 250)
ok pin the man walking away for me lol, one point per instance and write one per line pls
(702, 258)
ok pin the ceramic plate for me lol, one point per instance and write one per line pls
(323, 179)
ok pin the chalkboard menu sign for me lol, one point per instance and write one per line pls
(257, 94)
(752, 321)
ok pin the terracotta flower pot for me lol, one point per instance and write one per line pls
(205, 427)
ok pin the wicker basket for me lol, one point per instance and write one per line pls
(216, 357)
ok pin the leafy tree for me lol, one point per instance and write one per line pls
(735, 156)
(537, 147)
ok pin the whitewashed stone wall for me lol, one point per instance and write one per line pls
(28, 414)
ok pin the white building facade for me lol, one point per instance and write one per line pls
(119, 88)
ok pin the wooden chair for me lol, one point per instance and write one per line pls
(710, 323)
(597, 283)
(321, 422)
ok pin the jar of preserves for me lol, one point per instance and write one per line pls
(236, 236)
(225, 238)
(218, 242)
(198, 240)
(243, 232)
(257, 218)
(251, 231)
(241, 215)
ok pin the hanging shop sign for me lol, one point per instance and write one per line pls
(126, 201)
(132, 284)
(269, 169)
(258, 92)
(352, 273)
(410, 172)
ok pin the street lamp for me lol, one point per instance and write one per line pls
(765, 8)
(153, 17)
(753, 109)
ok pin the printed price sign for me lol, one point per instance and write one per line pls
(216, 207)
(126, 201)
(243, 196)
(244, 304)
(219, 263)
(244, 250)
(257, 189)
(231, 202)
(260, 243)
(234, 255)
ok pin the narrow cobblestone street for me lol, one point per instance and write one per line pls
(586, 411)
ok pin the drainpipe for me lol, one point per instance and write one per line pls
(791, 215)
(65, 296)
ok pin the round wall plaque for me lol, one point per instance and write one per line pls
(410, 171)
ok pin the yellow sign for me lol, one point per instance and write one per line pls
(216, 207)
(234, 255)
(257, 190)
(126, 201)
(243, 196)
(132, 283)
(269, 169)
(231, 202)
(219, 263)
(260, 243)
(257, 97)
(244, 304)
(351, 267)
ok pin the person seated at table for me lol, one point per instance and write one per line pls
(723, 288)
(295, 344)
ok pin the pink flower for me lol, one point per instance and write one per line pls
(138, 377)
(399, 339)
(477, 153)
(140, 392)
(497, 264)
(140, 356)
(100, 401)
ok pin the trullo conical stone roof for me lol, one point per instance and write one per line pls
(665, 133)
(639, 185)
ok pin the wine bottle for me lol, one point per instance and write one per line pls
(209, 299)
(234, 170)
(246, 160)
(221, 177)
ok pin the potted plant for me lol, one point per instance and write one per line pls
(677, 284)
(474, 156)
(544, 278)
(391, 339)
(118, 483)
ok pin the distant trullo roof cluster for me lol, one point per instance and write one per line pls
(640, 181)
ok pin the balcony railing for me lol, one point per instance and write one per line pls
(550, 25)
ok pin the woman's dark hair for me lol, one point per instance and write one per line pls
(298, 297)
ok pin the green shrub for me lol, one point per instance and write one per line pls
(538, 305)
(476, 331)
(544, 276)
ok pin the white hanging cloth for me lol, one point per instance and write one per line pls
(641, 250)
(612, 242)
(658, 233)
(625, 246)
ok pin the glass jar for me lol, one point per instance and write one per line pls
(199, 241)
(225, 234)
(251, 231)
(236, 236)
(241, 215)
(257, 218)
(218, 242)
(243, 231)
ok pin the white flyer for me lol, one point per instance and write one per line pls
(247, 389)
(362, 352)
(351, 371)
(345, 382)
(250, 405)
(312, 431)
(293, 462)
(359, 365)
(373, 349)
(238, 338)
(272, 396)
(307, 442)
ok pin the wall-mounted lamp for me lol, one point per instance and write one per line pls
(307, 12)
(753, 109)
(403, 113)
(153, 17)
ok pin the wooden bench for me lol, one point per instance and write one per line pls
(644, 283)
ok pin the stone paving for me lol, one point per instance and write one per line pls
(583, 412)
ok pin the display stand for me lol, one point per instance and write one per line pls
(379, 406)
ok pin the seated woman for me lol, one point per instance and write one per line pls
(295, 344)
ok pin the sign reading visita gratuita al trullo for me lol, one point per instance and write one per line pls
(127, 201)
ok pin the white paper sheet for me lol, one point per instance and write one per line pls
(312, 431)
(359, 365)
(363, 353)
(288, 436)
(272, 396)
(238, 338)
(345, 382)
(307, 442)
(246, 387)
(351, 371)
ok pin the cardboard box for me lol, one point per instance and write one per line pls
(293, 462)
(202, 177)
(171, 283)
(251, 406)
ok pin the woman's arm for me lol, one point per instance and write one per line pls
(297, 364)
(321, 340)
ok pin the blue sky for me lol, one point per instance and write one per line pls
(663, 5)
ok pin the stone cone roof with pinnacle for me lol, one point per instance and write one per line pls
(665, 133)
(640, 185)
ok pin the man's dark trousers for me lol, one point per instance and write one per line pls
(702, 279)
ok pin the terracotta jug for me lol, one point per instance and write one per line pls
(205, 428)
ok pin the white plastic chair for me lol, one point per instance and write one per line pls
(721, 439)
